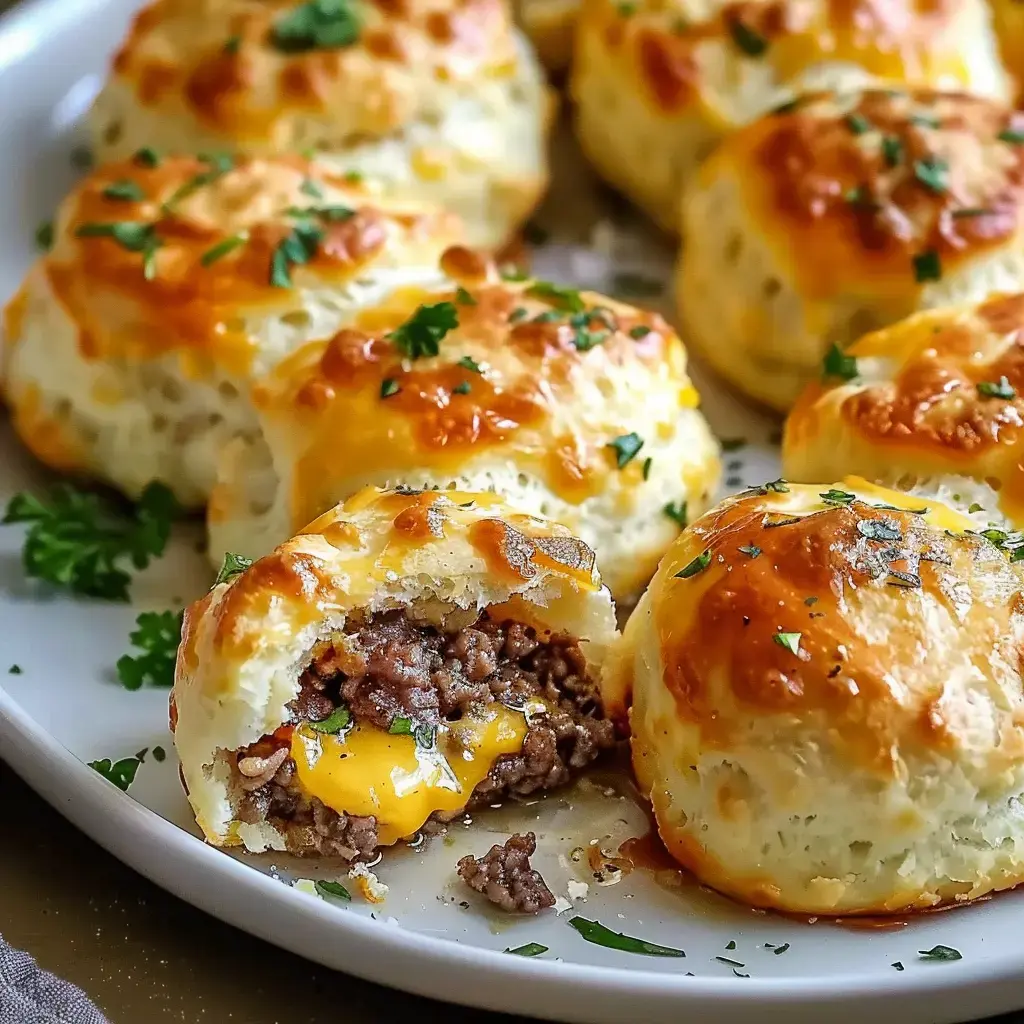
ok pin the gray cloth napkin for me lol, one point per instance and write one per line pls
(30, 995)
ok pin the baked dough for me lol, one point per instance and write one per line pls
(130, 348)
(658, 83)
(541, 393)
(550, 26)
(441, 101)
(935, 400)
(827, 701)
(409, 654)
(841, 214)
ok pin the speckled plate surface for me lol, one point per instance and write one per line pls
(66, 707)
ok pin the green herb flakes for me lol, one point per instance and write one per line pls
(146, 157)
(1015, 136)
(124, 190)
(400, 726)
(157, 635)
(626, 448)
(44, 235)
(892, 150)
(676, 511)
(640, 331)
(838, 365)
(159, 755)
(462, 388)
(463, 298)
(422, 333)
(927, 266)
(897, 965)
(530, 949)
(232, 43)
(596, 933)
(338, 719)
(221, 249)
(648, 462)
(469, 363)
(317, 25)
(1000, 389)
(729, 962)
(133, 235)
(14, 670)
(694, 568)
(749, 41)
(836, 497)
(975, 506)
(947, 953)
(232, 565)
(296, 248)
(567, 299)
(311, 188)
(779, 950)
(388, 387)
(335, 889)
(932, 173)
(858, 123)
(120, 773)
(750, 550)
(791, 641)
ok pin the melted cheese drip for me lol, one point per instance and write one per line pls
(367, 771)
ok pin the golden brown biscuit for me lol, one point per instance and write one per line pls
(172, 283)
(658, 83)
(569, 404)
(827, 701)
(437, 100)
(550, 26)
(841, 214)
(935, 400)
(409, 655)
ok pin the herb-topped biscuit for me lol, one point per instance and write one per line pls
(170, 285)
(839, 214)
(936, 400)
(827, 700)
(569, 404)
(441, 101)
(659, 83)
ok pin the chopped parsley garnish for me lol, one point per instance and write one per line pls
(751, 550)
(311, 188)
(421, 334)
(77, 539)
(133, 235)
(469, 363)
(400, 726)
(120, 773)
(463, 298)
(296, 248)
(932, 173)
(388, 387)
(694, 568)
(752, 43)
(334, 213)
(232, 565)
(218, 165)
(317, 25)
(157, 635)
(567, 299)
(892, 150)
(232, 44)
(732, 444)
(975, 506)
(648, 462)
(335, 889)
(626, 448)
(791, 641)
(1001, 389)
(44, 235)
(897, 965)
(461, 388)
(878, 529)
(781, 949)
(638, 332)
(124, 190)
(810, 601)
(14, 670)
(585, 337)
(838, 365)
(159, 754)
(776, 487)
(836, 497)
(940, 953)
(729, 962)
(337, 720)
(146, 157)
(927, 266)
(530, 949)
(636, 285)
(858, 123)
(861, 197)
(221, 249)
(925, 120)
(1015, 136)
(517, 314)
(676, 511)
(596, 933)
(731, 944)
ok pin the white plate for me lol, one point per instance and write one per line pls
(66, 707)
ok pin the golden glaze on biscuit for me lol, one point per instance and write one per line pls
(942, 394)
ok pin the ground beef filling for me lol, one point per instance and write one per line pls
(392, 668)
(505, 877)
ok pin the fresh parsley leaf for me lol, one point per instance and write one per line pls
(421, 334)
(157, 636)
(897, 965)
(791, 641)
(940, 953)
(752, 43)
(810, 601)
(517, 314)
(296, 248)
(892, 150)
(335, 889)
(975, 506)
(626, 448)
(640, 331)
(44, 235)
(932, 173)
(648, 463)
(567, 299)
(232, 43)
(729, 962)
(731, 944)
(337, 720)
(462, 388)
(124, 190)
(838, 365)
(311, 188)
(463, 298)
(776, 487)
(146, 157)
(79, 540)
(779, 950)
(133, 235)
(697, 566)
(232, 565)
(333, 213)
(400, 726)
(596, 933)
(749, 549)
(317, 25)
(927, 266)
(530, 949)
(836, 497)
(388, 387)
(676, 512)
(1015, 136)
(221, 249)
(14, 670)
(218, 165)
(120, 773)
(585, 337)
(469, 363)
(858, 123)
(1001, 389)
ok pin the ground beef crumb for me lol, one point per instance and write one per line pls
(505, 877)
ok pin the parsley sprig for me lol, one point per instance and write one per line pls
(157, 635)
(317, 25)
(81, 540)
(421, 334)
